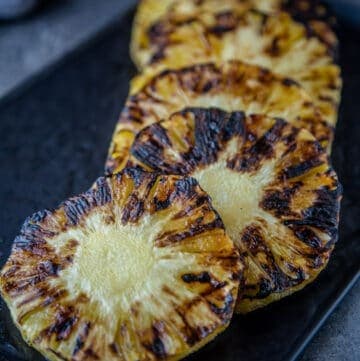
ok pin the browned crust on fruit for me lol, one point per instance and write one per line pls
(315, 225)
(233, 79)
(311, 13)
(160, 33)
(212, 37)
(318, 19)
(36, 264)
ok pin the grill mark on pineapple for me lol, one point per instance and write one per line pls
(225, 312)
(158, 55)
(192, 77)
(206, 136)
(311, 12)
(308, 10)
(54, 296)
(299, 169)
(132, 112)
(186, 187)
(156, 346)
(11, 271)
(19, 282)
(252, 238)
(49, 267)
(202, 201)
(32, 232)
(16, 285)
(134, 207)
(277, 280)
(250, 158)
(203, 277)
(212, 128)
(114, 349)
(38, 294)
(278, 202)
(307, 235)
(225, 21)
(328, 99)
(32, 245)
(160, 135)
(65, 320)
(90, 353)
(75, 209)
(290, 82)
(235, 126)
(102, 192)
(323, 214)
(158, 32)
(200, 330)
(169, 291)
(189, 333)
(133, 210)
(274, 48)
(57, 354)
(81, 338)
(139, 177)
(109, 219)
(161, 204)
(167, 238)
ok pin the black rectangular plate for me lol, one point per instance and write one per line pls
(54, 139)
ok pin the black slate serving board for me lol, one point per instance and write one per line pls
(53, 143)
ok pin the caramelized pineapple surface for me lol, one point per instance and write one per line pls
(271, 184)
(137, 268)
(230, 86)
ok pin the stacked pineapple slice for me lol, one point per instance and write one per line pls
(231, 86)
(137, 268)
(218, 196)
(270, 182)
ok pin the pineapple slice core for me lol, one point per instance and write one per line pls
(113, 260)
(238, 201)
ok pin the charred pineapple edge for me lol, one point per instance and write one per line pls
(141, 92)
(315, 16)
(245, 305)
(100, 194)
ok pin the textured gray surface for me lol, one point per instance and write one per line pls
(12, 8)
(29, 46)
(339, 338)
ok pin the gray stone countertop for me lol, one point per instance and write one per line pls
(339, 338)
(30, 46)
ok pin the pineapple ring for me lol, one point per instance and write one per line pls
(231, 86)
(137, 268)
(314, 14)
(274, 41)
(271, 184)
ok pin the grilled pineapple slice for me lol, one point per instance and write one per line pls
(231, 86)
(273, 41)
(314, 14)
(137, 268)
(271, 184)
